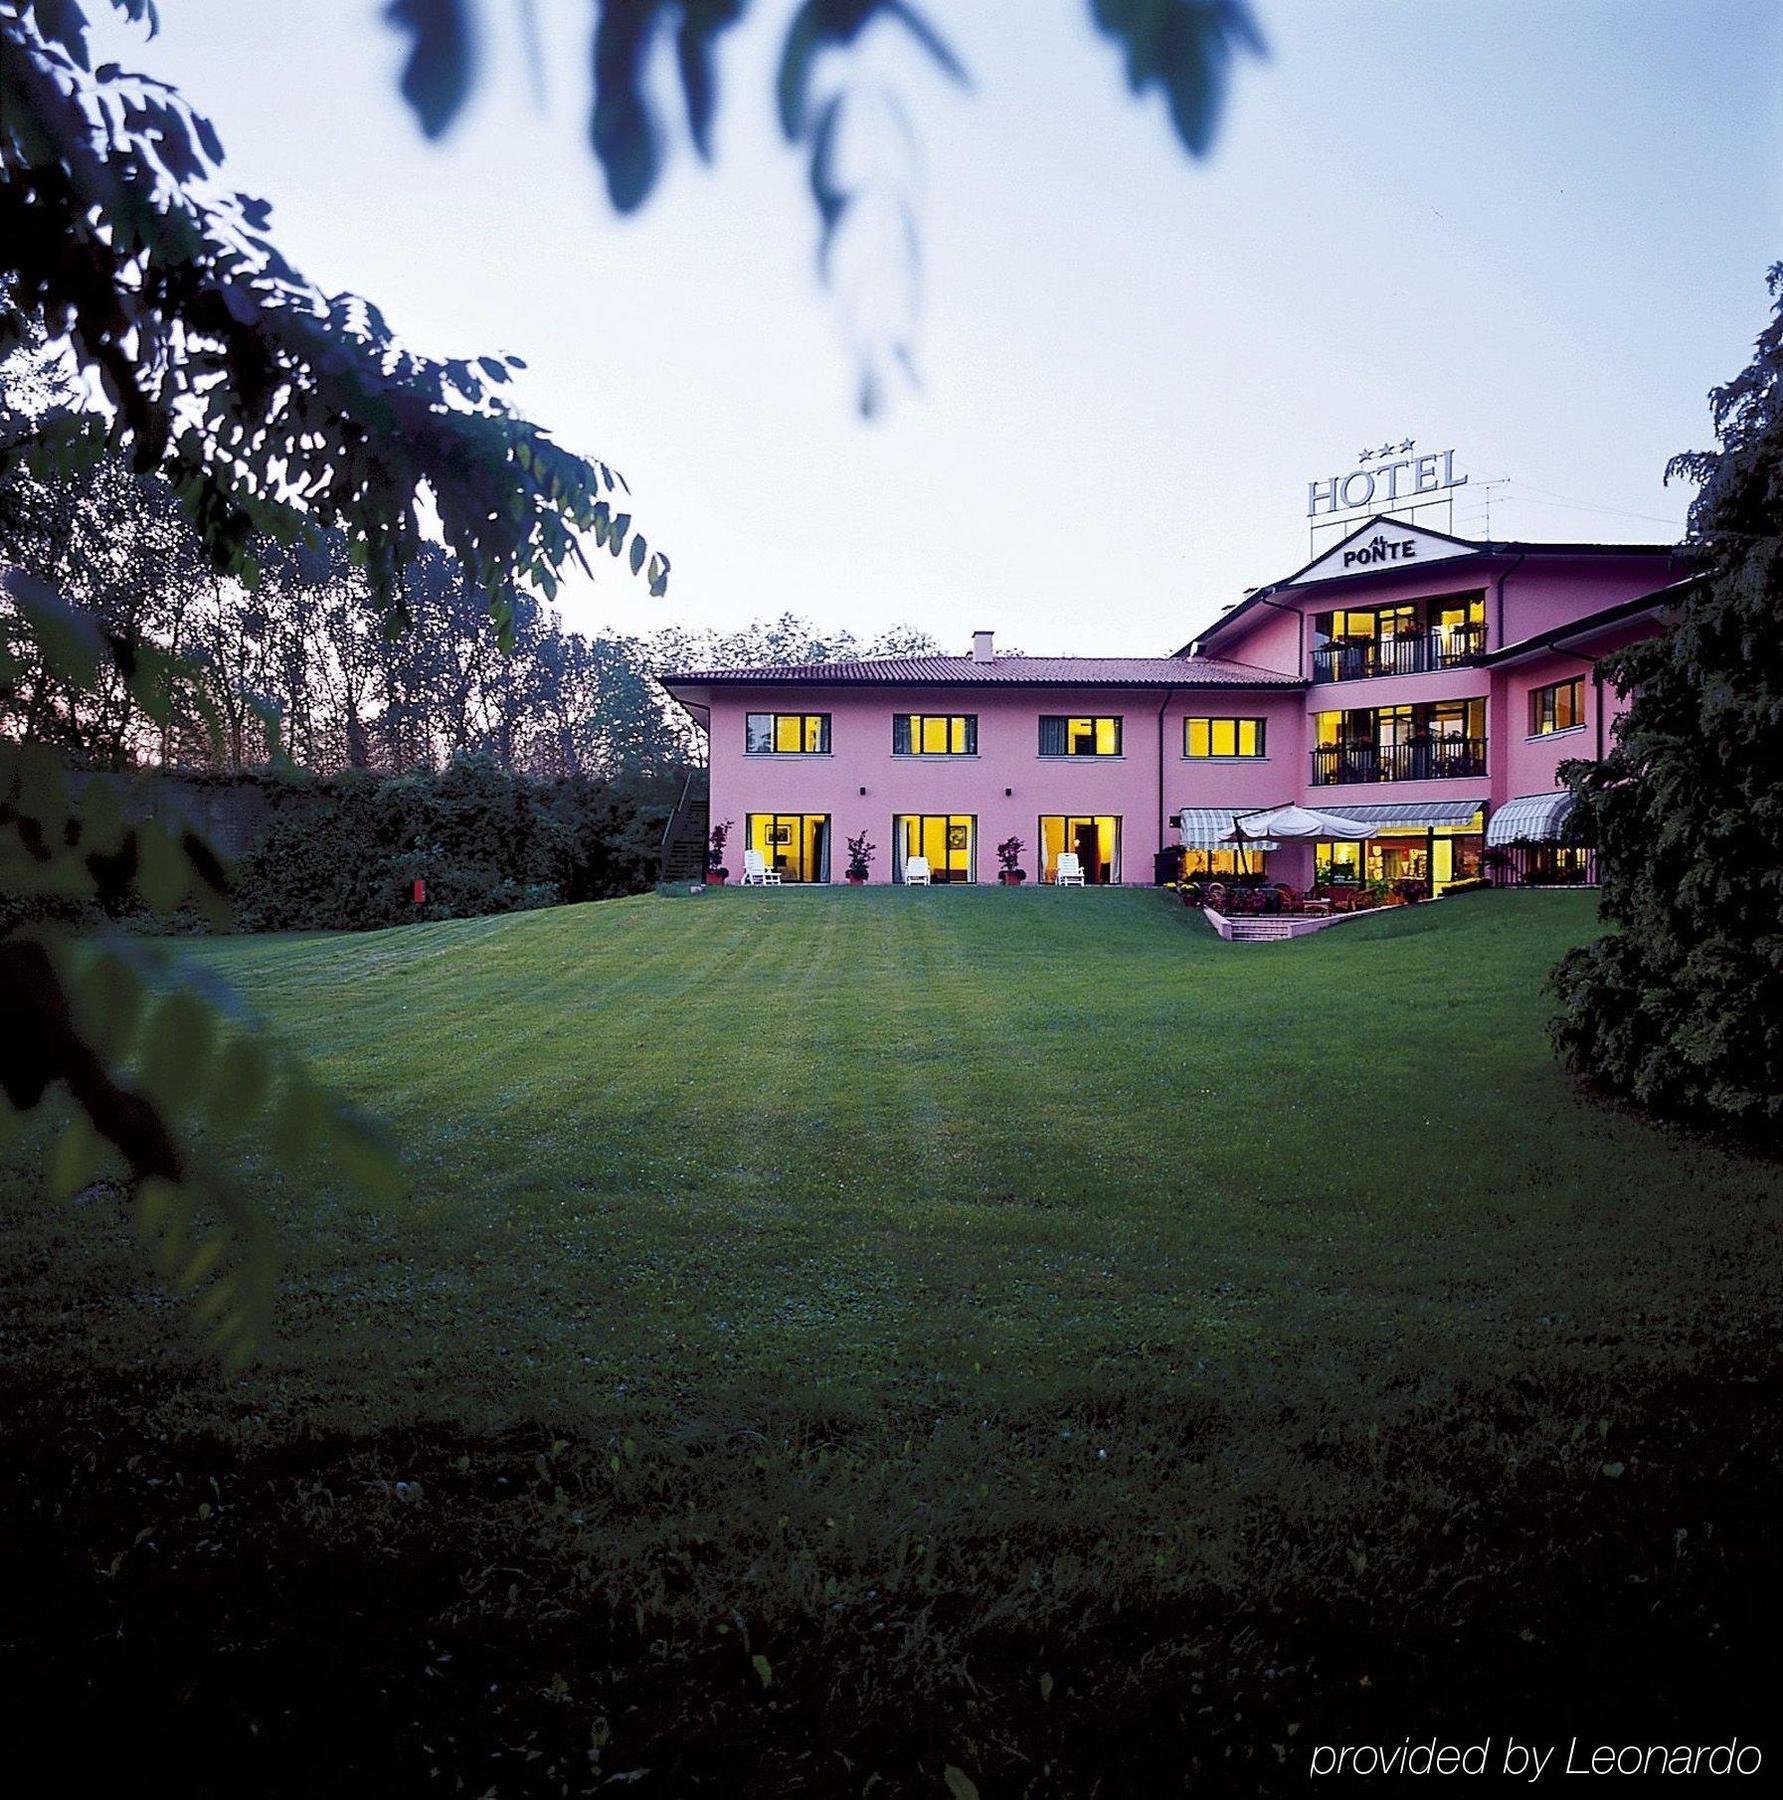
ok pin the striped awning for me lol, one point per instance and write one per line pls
(1210, 828)
(1415, 815)
(1532, 819)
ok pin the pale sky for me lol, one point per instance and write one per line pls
(1532, 231)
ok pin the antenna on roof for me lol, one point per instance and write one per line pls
(1485, 489)
(1389, 481)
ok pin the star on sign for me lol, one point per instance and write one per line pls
(1384, 450)
(1364, 456)
(1406, 445)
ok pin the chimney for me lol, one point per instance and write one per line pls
(981, 647)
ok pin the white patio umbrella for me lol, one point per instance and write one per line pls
(1300, 823)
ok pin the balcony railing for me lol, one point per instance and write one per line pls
(1406, 654)
(1441, 759)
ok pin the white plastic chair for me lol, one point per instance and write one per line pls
(756, 872)
(916, 872)
(1069, 872)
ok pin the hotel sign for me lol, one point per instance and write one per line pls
(1388, 477)
(1371, 550)
(1381, 549)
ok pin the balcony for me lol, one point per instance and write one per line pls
(1407, 653)
(1441, 759)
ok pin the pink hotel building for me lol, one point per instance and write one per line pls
(1427, 684)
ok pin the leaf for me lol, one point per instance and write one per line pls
(824, 24)
(162, 872)
(78, 1159)
(638, 550)
(68, 639)
(176, 1050)
(109, 997)
(1045, 1687)
(158, 1204)
(442, 59)
(240, 1087)
(693, 52)
(764, 1669)
(1186, 48)
(367, 1157)
(299, 1120)
(202, 1261)
(62, 22)
(620, 129)
(959, 1783)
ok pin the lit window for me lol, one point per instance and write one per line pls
(1222, 737)
(1557, 707)
(1061, 736)
(1095, 842)
(787, 734)
(934, 734)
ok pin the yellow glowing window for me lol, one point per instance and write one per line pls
(787, 734)
(1095, 842)
(796, 846)
(947, 841)
(1456, 615)
(934, 734)
(1222, 737)
(1198, 864)
(1557, 708)
(1060, 736)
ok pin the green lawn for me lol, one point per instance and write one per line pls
(909, 1278)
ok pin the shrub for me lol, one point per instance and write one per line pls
(1681, 1006)
(343, 853)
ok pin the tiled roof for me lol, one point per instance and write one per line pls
(1009, 671)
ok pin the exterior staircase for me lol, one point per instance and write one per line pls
(1272, 928)
(685, 836)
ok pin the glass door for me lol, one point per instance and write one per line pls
(948, 840)
(796, 845)
(1094, 840)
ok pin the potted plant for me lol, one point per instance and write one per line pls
(1410, 890)
(716, 872)
(860, 859)
(1009, 854)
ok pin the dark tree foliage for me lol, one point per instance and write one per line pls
(1183, 49)
(343, 854)
(273, 408)
(1680, 1008)
(275, 413)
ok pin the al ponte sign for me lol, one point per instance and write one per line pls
(1389, 476)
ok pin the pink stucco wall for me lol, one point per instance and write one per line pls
(1538, 593)
(1008, 785)
(1539, 598)
(1530, 761)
